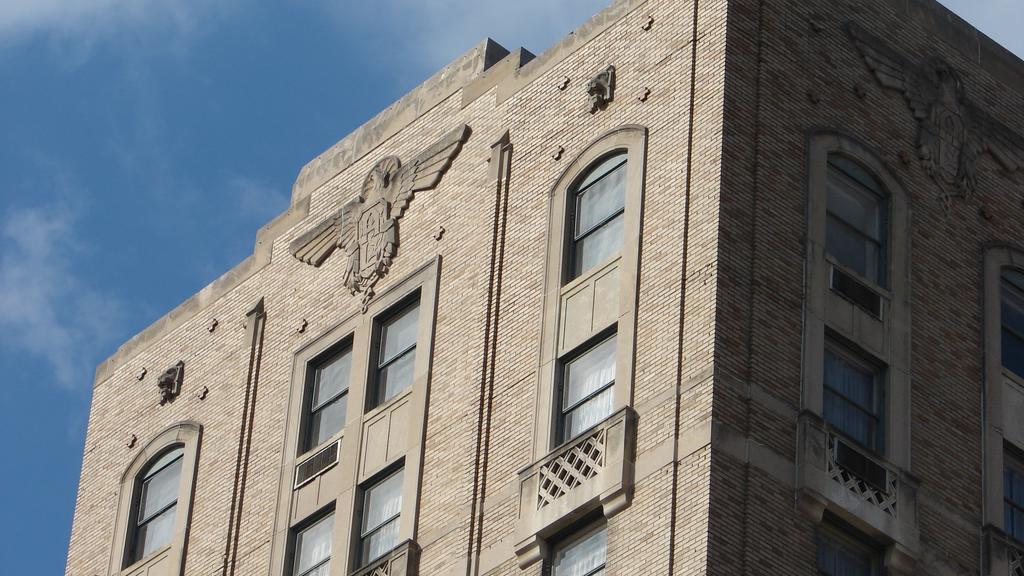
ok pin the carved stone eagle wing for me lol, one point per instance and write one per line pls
(895, 72)
(425, 171)
(1005, 145)
(315, 246)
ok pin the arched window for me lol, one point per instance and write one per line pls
(856, 219)
(155, 501)
(599, 204)
(155, 506)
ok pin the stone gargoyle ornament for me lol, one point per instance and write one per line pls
(366, 228)
(952, 132)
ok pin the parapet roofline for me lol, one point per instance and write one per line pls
(487, 65)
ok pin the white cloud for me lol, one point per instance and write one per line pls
(45, 309)
(82, 23)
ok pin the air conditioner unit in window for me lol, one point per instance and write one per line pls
(317, 464)
(856, 291)
(860, 465)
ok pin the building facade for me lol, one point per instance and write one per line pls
(709, 287)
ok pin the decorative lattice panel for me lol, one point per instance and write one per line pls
(383, 569)
(885, 499)
(1016, 560)
(581, 463)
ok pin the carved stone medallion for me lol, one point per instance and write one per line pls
(952, 132)
(170, 381)
(601, 89)
(367, 227)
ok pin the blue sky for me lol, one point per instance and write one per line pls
(143, 142)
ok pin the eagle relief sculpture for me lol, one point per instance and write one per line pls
(952, 133)
(366, 228)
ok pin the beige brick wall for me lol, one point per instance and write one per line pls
(729, 347)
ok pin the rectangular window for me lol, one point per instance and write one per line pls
(1013, 496)
(842, 556)
(588, 389)
(853, 396)
(313, 549)
(582, 556)
(855, 220)
(328, 397)
(1012, 313)
(395, 355)
(600, 202)
(382, 509)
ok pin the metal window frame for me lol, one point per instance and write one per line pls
(575, 237)
(364, 535)
(375, 392)
(857, 359)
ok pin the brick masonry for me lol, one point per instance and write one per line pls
(719, 317)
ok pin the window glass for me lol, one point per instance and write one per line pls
(599, 245)
(852, 398)
(587, 391)
(382, 506)
(396, 355)
(598, 206)
(839, 559)
(313, 549)
(329, 401)
(1013, 321)
(856, 221)
(399, 333)
(156, 506)
(582, 557)
(1013, 497)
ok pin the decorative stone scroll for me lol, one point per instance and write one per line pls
(169, 382)
(367, 227)
(952, 132)
(601, 89)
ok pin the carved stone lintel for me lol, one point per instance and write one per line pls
(601, 89)
(170, 382)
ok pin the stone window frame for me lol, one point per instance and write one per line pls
(997, 438)
(360, 328)
(186, 434)
(886, 340)
(632, 139)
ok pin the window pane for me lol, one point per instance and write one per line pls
(606, 166)
(380, 542)
(835, 559)
(601, 200)
(159, 464)
(331, 378)
(851, 399)
(313, 546)
(857, 207)
(383, 502)
(159, 490)
(154, 534)
(397, 376)
(591, 412)
(583, 556)
(398, 334)
(854, 250)
(327, 421)
(1013, 322)
(589, 372)
(598, 246)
